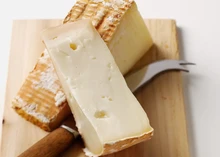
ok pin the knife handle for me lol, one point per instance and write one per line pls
(51, 145)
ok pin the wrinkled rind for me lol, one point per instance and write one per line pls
(32, 119)
(43, 99)
(107, 24)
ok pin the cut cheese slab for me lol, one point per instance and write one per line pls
(41, 100)
(107, 114)
(120, 25)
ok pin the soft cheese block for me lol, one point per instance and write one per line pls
(120, 25)
(107, 114)
(41, 100)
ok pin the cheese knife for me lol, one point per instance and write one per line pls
(60, 139)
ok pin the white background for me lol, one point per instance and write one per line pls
(199, 31)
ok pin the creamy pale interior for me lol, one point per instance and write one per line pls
(105, 109)
(131, 40)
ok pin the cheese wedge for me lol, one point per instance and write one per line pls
(120, 25)
(41, 100)
(107, 114)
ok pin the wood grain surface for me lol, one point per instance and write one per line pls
(162, 98)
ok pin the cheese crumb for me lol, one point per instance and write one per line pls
(60, 98)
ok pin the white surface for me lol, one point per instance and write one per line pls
(199, 22)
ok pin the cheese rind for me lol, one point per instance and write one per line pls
(107, 114)
(40, 99)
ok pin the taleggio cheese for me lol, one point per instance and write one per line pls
(41, 100)
(120, 25)
(107, 114)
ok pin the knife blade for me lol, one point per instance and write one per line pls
(60, 139)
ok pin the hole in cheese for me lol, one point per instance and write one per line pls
(73, 46)
(100, 114)
(93, 58)
(54, 37)
(110, 99)
(109, 65)
(107, 97)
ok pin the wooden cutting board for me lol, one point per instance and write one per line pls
(162, 98)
